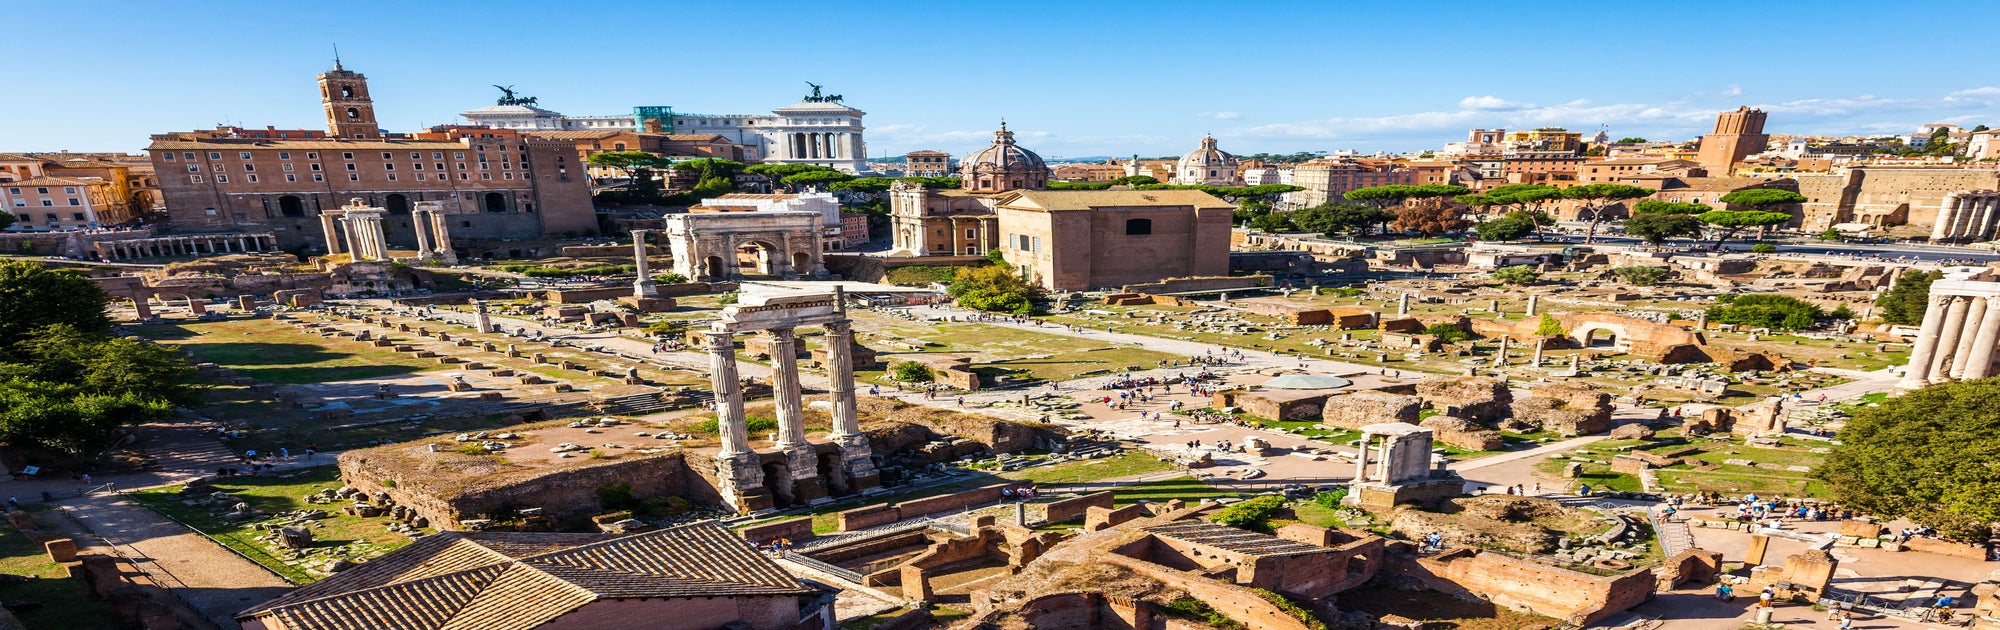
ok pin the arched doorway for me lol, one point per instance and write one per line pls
(496, 202)
(802, 263)
(778, 478)
(291, 206)
(396, 203)
(759, 258)
(1600, 338)
(712, 268)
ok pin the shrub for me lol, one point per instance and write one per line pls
(1197, 610)
(664, 506)
(388, 483)
(1449, 333)
(1842, 312)
(727, 298)
(670, 278)
(1517, 274)
(754, 424)
(666, 327)
(616, 496)
(912, 372)
(1641, 276)
(1330, 500)
(921, 274)
(1764, 248)
(1776, 312)
(472, 449)
(1254, 514)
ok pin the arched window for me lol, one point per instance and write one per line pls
(347, 91)
(1138, 226)
(291, 206)
(353, 114)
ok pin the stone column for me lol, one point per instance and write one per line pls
(441, 235)
(739, 474)
(1361, 464)
(1918, 372)
(481, 321)
(644, 287)
(1534, 304)
(855, 454)
(1947, 344)
(1539, 344)
(1947, 214)
(347, 236)
(1382, 458)
(1403, 305)
(728, 393)
(801, 459)
(331, 233)
(1974, 314)
(1500, 358)
(420, 224)
(1980, 362)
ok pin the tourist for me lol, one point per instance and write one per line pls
(1725, 593)
(1764, 598)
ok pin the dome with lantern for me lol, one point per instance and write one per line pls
(1207, 165)
(1003, 166)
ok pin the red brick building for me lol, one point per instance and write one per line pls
(496, 184)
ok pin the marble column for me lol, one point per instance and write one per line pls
(1500, 358)
(1918, 373)
(347, 236)
(1980, 362)
(1539, 345)
(644, 287)
(856, 457)
(1361, 463)
(1403, 305)
(1534, 304)
(330, 232)
(784, 344)
(420, 224)
(1974, 313)
(1947, 343)
(728, 393)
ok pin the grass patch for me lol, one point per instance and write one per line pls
(271, 351)
(358, 538)
(1133, 462)
(920, 275)
(64, 602)
(1187, 489)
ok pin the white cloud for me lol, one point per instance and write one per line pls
(1490, 103)
(1987, 94)
(1220, 115)
(1733, 90)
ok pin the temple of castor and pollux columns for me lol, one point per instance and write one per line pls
(799, 472)
(1960, 332)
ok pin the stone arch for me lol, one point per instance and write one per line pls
(495, 202)
(291, 206)
(1599, 336)
(396, 203)
(801, 261)
(778, 477)
(714, 267)
(833, 473)
(764, 257)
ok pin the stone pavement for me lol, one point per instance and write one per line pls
(213, 580)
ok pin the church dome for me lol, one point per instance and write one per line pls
(1003, 166)
(1208, 155)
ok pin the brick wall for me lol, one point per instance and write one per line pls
(1525, 585)
(1071, 509)
(795, 529)
(876, 515)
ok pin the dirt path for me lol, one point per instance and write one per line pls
(213, 580)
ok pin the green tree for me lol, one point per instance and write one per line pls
(1274, 222)
(1550, 327)
(912, 372)
(637, 166)
(1927, 456)
(1764, 248)
(1730, 222)
(1842, 312)
(1907, 299)
(1657, 221)
(1777, 312)
(828, 177)
(1517, 274)
(32, 296)
(1631, 140)
(1252, 514)
(1593, 200)
(1381, 196)
(870, 185)
(1447, 332)
(993, 288)
(1642, 276)
(1504, 229)
(1527, 198)
(1135, 180)
(6, 220)
(1830, 235)
(705, 168)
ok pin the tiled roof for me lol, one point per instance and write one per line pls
(232, 144)
(516, 581)
(1088, 199)
(57, 181)
(575, 135)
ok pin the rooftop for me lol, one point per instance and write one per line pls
(505, 581)
(1231, 539)
(1051, 200)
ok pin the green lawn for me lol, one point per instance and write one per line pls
(63, 603)
(1133, 462)
(272, 351)
(363, 538)
(1187, 489)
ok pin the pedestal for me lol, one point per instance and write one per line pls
(739, 478)
(859, 460)
(803, 462)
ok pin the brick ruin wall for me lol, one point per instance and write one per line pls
(1573, 596)
(567, 495)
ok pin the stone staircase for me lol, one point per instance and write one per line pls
(646, 403)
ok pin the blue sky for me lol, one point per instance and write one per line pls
(1072, 78)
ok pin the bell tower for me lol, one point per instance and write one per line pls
(349, 112)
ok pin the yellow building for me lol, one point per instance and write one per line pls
(1545, 139)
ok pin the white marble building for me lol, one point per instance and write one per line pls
(817, 130)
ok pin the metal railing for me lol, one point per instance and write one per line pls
(822, 567)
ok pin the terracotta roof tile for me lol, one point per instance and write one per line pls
(517, 581)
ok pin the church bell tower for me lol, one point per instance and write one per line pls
(349, 112)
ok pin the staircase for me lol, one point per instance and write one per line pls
(637, 404)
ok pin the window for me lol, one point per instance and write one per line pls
(420, 177)
(353, 114)
(249, 168)
(386, 155)
(194, 168)
(222, 179)
(392, 177)
(1036, 243)
(417, 166)
(188, 156)
(291, 178)
(971, 233)
(388, 167)
(168, 156)
(350, 167)
(353, 177)
(313, 166)
(253, 179)
(284, 156)
(76, 216)
(288, 168)
(218, 167)
(214, 155)
(245, 155)
(436, 156)
(69, 190)
(74, 202)
(312, 156)
(460, 155)
(318, 177)
(1134, 227)
(194, 179)
(47, 203)
(437, 166)
(416, 156)
(347, 156)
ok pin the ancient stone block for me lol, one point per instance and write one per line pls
(1363, 408)
(1483, 400)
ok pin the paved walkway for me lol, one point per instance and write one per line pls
(213, 580)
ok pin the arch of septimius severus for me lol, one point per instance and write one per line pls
(1960, 330)
(799, 472)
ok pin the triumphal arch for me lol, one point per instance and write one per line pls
(799, 472)
(726, 246)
